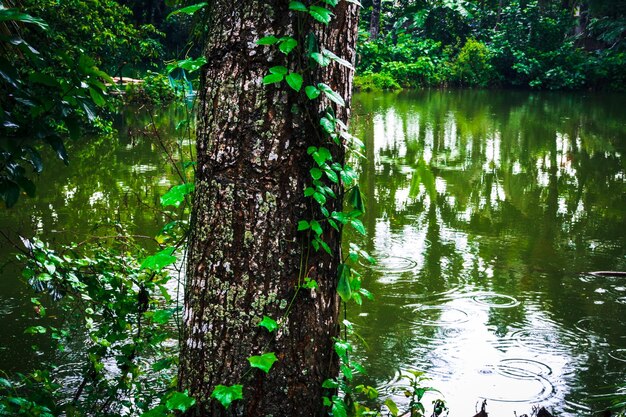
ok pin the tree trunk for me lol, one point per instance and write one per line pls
(246, 257)
(375, 20)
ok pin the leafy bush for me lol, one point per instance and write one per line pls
(155, 90)
(472, 66)
(375, 82)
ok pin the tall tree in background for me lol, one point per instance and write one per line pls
(246, 256)
(375, 20)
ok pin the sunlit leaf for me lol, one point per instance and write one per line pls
(180, 401)
(159, 260)
(227, 394)
(320, 14)
(189, 10)
(176, 195)
(263, 362)
(269, 323)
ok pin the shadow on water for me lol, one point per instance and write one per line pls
(487, 210)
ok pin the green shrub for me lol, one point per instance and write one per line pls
(472, 66)
(155, 90)
(375, 82)
(421, 73)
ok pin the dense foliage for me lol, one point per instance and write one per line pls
(515, 43)
(55, 63)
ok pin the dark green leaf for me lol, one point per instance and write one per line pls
(263, 362)
(97, 98)
(356, 200)
(316, 227)
(56, 143)
(45, 79)
(312, 92)
(16, 15)
(343, 285)
(297, 6)
(294, 80)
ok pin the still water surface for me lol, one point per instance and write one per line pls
(486, 210)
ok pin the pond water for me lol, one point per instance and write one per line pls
(109, 181)
(487, 212)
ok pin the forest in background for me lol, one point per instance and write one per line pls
(532, 44)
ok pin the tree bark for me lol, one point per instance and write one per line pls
(375, 20)
(245, 256)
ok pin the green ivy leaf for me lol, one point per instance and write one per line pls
(327, 125)
(356, 200)
(189, 10)
(331, 2)
(337, 59)
(279, 70)
(263, 362)
(320, 198)
(159, 260)
(343, 285)
(287, 45)
(333, 96)
(331, 175)
(180, 401)
(316, 173)
(325, 246)
(35, 330)
(273, 78)
(227, 394)
(294, 80)
(267, 40)
(176, 195)
(322, 60)
(269, 323)
(297, 6)
(358, 226)
(316, 227)
(303, 225)
(321, 14)
(312, 92)
(339, 408)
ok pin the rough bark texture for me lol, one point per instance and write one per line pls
(245, 253)
(375, 19)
